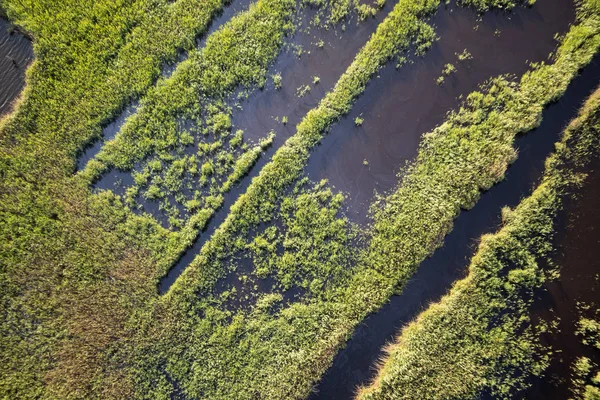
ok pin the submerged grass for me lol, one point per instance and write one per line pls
(479, 337)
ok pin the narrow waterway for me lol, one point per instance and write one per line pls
(577, 250)
(354, 365)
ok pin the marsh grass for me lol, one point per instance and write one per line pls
(479, 337)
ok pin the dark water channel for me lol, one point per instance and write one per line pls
(353, 366)
(260, 110)
(577, 250)
(16, 52)
(403, 104)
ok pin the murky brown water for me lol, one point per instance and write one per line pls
(16, 52)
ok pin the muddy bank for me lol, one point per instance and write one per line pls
(403, 104)
(577, 251)
(16, 52)
(354, 364)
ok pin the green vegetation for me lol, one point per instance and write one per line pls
(585, 375)
(56, 242)
(246, 161)
(302, 90)
(277, 80)
(446, 71)
(464, 55)
(479, 337)
(276, 348)
(237, 55)
(98, 58)
(333, 12)
(77, 266)
(81, 315)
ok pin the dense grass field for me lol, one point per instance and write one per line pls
(162, 235)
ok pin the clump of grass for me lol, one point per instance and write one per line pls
(464, 55)
(302, 90)
(246, 161)
(358, 121)
(446, 71)
(276, 80)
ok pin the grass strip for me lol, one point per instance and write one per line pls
(479, 337)
(282, 353)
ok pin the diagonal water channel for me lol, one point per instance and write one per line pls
(354, 365)
(403, 104)
(261, 111)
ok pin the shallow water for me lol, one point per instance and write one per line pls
(403, 104)
(354, 364)
(16, 52)
(577, 245)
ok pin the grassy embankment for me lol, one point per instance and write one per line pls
(91, 60)
(76, 266)
(479, 337)
(279, 350)
(236, 56)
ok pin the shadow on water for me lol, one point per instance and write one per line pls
(16, 52)
(260, 110)
(353, 366)
(576, 244)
